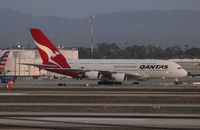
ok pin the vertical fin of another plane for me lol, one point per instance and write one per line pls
(3, 60)
(48, 52)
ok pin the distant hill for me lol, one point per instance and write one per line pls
(162, 28)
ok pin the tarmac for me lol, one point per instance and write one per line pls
(88, 120)
(91, 120)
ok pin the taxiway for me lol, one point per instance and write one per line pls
(42, 104)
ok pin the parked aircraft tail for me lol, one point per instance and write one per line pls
(3, 59)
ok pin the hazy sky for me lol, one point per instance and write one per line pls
(84, 8)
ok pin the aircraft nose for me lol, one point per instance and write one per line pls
(184, 73)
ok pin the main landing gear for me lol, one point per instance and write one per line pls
(177, 82)
(104, 82)
(136, 82)
(61, 84)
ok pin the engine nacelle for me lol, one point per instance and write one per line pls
(92, 75)
(119, 77)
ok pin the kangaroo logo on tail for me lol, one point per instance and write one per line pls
(48, 52)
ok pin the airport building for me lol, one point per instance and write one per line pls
(14, 68)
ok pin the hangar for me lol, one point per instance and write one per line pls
(16, 56)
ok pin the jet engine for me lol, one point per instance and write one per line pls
(119, 77)
(92, 75)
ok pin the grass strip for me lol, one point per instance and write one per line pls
(96, 99)
(102, 109)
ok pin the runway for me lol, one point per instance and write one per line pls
(100, 94)
(42, 104)
(100, 105)
(95, 120)
(73, 83)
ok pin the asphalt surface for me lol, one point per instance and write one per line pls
(59, 120)
(88, 120)
(99, 94)
(22, 83)
(100, 104)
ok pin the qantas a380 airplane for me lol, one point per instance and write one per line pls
(104, 70)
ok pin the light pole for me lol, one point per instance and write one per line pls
(15, 52)
(19, 47)
(92, 35)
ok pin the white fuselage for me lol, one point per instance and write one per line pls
(149, 69)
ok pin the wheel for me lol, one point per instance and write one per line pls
(177, 83)
(117, 83)
(136, 82)
(109, 83)
(61, 84)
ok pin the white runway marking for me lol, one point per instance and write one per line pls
(13, 94)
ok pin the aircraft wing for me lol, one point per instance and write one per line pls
(40, 66)
(67, 70)
(54, 67)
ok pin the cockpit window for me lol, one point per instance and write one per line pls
(180, 67)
